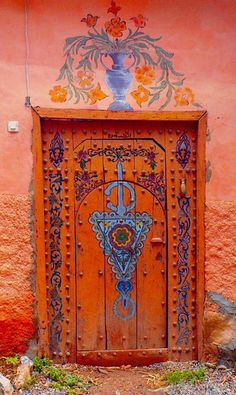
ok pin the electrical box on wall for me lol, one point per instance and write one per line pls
(13, 126)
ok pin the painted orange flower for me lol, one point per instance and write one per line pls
(85, 79)
(184, 97)
(141, 95)
(114, 9)
(58, 94)
(90, 20)
(145, 74)
(97, 94)
(139, 21)
(115, 27)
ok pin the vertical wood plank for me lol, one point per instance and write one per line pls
(121, 332)
(201, 191)
(182, 242)
(152, 265)
(90, 258)
(68, 237)
(41, 294)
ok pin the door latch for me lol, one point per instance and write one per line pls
(183, 186)
(157, 240)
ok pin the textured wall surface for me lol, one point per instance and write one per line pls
(16, 267)
(220, 281)
(221, 248)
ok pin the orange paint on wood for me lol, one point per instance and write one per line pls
(89, 168)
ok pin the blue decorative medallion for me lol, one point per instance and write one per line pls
(122, 235)
(183, 150)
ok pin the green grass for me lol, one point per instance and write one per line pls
(41, 363)
(13, 361)
(61, 379)
(179, 376)
(32, 381)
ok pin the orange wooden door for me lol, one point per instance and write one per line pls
(107, 191)
(120, 226)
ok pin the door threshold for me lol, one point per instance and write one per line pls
(122, 357)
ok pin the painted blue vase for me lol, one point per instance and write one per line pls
(119, 79)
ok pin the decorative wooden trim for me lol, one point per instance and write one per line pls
(56, 113)
(43, 334)
(200, 262)
(125, 357)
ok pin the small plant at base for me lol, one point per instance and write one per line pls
(179, 376)
(176, 377)
(12, 360)
(54, 373)
(41, 363)
(32, 380)
(71, 383)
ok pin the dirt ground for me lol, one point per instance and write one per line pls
(127, 380)
(130, 381)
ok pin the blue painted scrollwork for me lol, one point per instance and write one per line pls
(56, 223)
(184, 222)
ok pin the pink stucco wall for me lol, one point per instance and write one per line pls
(202, 36)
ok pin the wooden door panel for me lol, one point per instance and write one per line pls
(120, 316)
(151, 269)
(118, 168)
(90, 277)
(89, 197)
(120, 321)
(151, 278)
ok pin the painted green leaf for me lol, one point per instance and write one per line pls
(178, 83)
(168, 98)
(72, 40)
(151, 39)
(147, 58)
(96, 58)
(164, 52)
(70, 61)
(62, 73)
(171, 68)
(154, 98)
(70, 92)
(197, 105)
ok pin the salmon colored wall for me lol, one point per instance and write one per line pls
(16, 275)
(202, 36)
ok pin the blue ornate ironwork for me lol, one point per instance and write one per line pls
(122, 234)
(183, 150)
(184, 222)
(56, 150)
(56, 204)
(118, 154)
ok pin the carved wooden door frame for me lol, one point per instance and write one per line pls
(173, 351)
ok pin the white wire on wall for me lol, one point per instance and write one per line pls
(27, 80)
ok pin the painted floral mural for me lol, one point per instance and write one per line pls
(129, 57)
